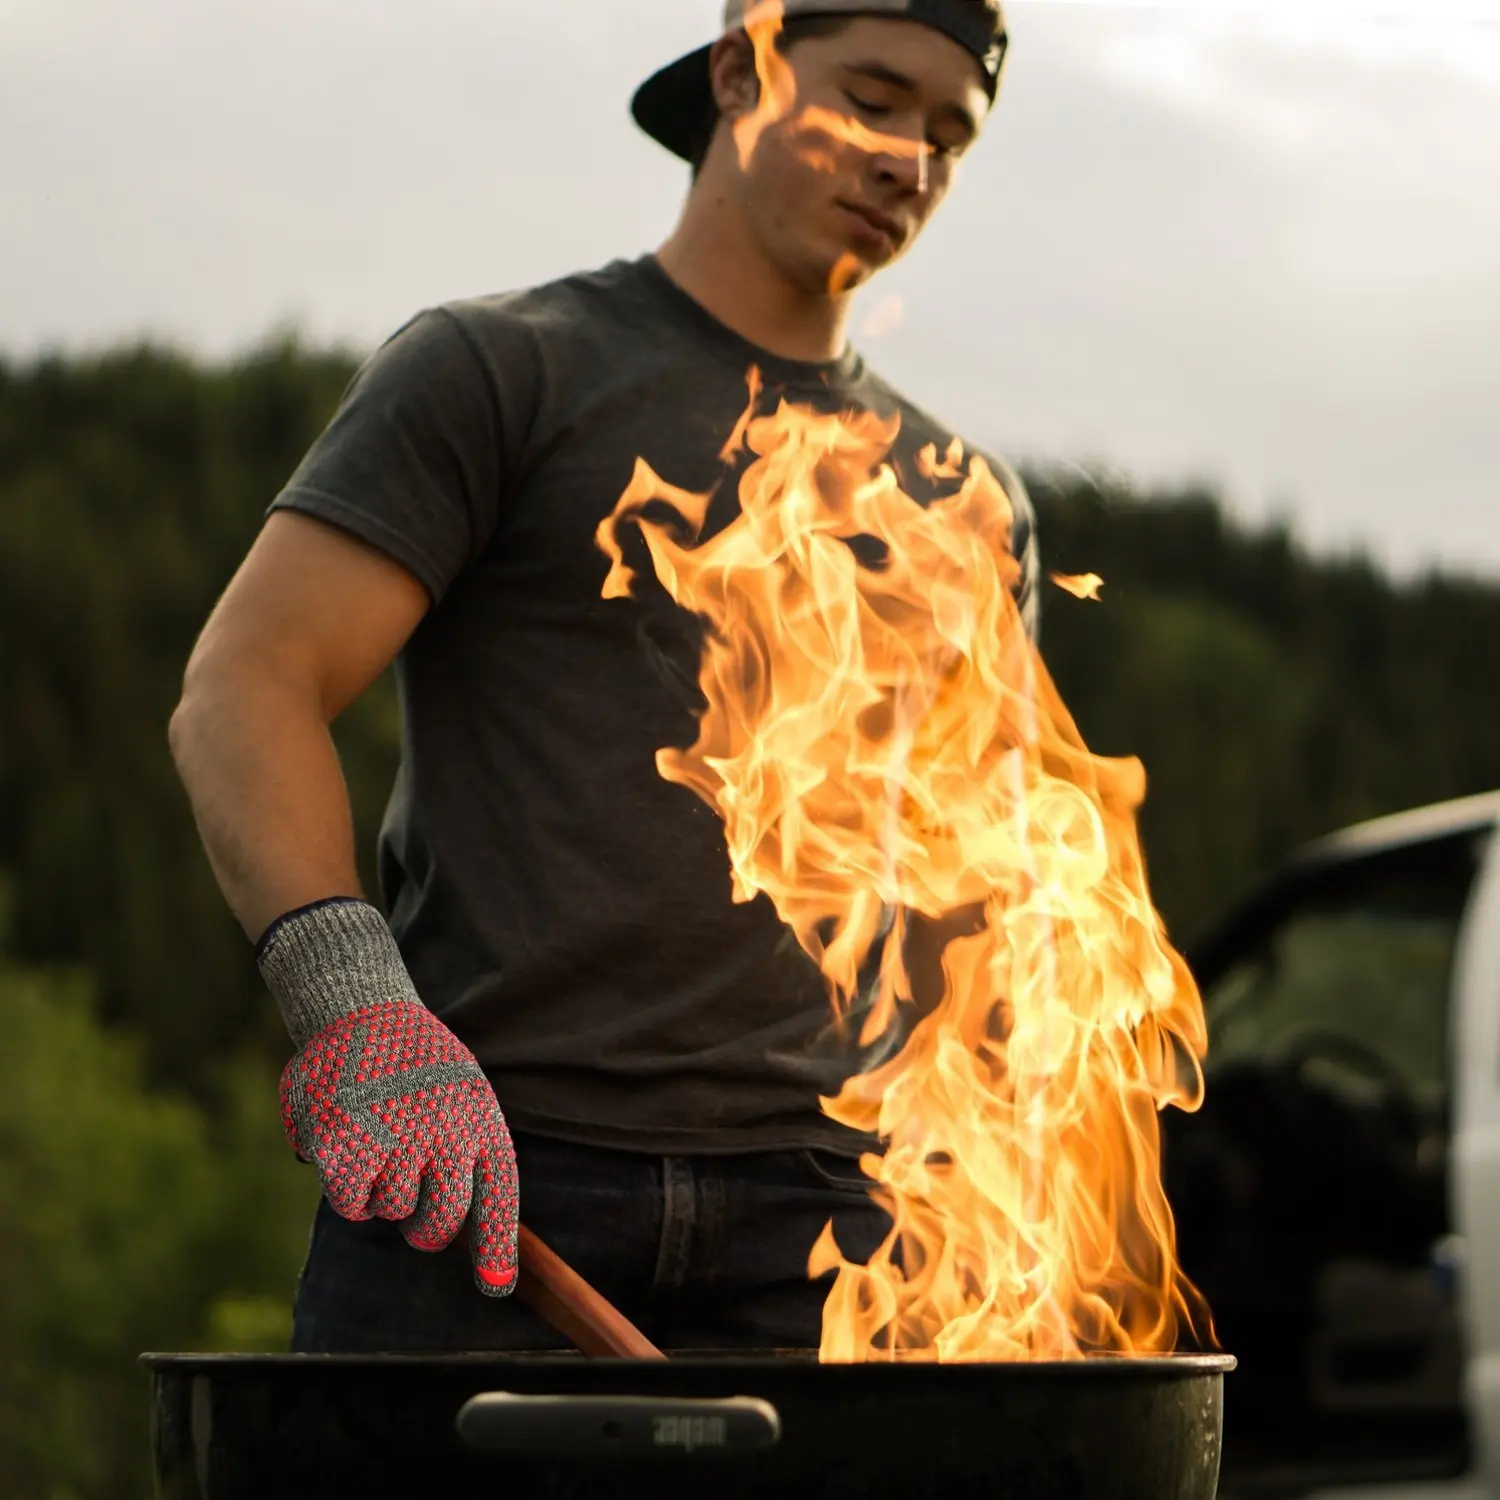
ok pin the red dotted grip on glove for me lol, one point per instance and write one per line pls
(402, 1124)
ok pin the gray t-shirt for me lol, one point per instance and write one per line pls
(565, 910)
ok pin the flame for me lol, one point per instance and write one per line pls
(896, 771)
(1083, 586)
(950, 466)
(778, 84)
(848, 271)
(736, 444)
(845, 130)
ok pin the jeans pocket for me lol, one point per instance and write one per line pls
(837, 1174)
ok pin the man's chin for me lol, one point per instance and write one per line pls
(849, 269)
(834, 270)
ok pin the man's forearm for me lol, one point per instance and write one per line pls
(267, 790)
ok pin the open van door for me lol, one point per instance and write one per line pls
(1477, 1162)
(1313, 1190)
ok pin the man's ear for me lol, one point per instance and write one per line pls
(731, 69)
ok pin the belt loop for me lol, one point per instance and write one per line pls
(678, 1218)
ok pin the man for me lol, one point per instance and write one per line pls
(564, 939)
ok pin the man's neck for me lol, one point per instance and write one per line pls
(715, 261)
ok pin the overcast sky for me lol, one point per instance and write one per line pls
(1258, 248)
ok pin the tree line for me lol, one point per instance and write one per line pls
(146, 1197)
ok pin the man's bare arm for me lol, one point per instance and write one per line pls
(311, 619)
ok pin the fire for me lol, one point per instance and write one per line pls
(778, 85)
(735, 446)
(848, 271)
(949, 466)
(1082, 586)
(896, 771)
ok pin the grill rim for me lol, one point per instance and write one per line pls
(1109, 1366)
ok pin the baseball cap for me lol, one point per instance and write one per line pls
(672, 104)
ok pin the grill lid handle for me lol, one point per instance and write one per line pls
(617, 1426)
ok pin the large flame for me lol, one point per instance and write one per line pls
(897, 773)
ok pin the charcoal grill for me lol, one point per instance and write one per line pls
(630, 1421)
(235, 1427)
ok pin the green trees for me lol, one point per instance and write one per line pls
(147, 1199)
(130, 487)
(1273, 696)
(146, 1196)
(129, 1219)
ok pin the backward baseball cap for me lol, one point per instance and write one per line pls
(673, 105)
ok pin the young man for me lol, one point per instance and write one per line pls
(561, 937)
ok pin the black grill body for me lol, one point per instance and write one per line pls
(776, 1428)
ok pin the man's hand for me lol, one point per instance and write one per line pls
(392, 1109)
(401, 1124)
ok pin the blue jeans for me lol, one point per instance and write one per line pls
(703, 1252)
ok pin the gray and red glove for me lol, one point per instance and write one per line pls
(389, 1105)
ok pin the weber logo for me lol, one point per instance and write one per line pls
(690, 1433)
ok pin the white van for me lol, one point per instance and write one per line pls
(1338, 1196)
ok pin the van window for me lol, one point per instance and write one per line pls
(1356, 974)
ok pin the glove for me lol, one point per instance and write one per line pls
(389, 1105)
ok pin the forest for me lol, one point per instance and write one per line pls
(147, 1198)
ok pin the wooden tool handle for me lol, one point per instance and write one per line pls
(551, 1288)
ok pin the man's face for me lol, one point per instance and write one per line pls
(846, 181)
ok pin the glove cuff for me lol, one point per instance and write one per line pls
(325, 962)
